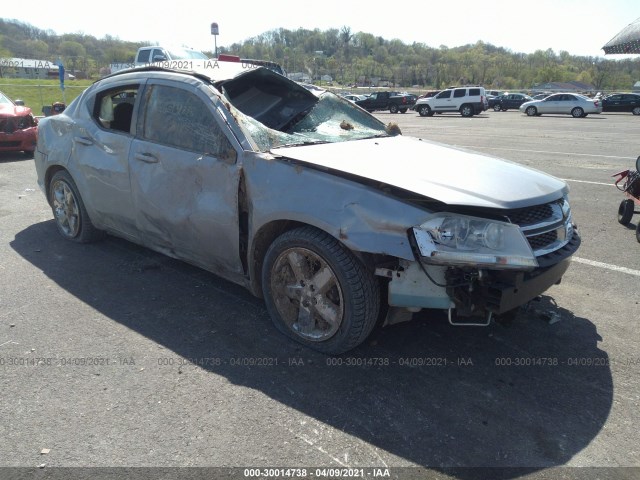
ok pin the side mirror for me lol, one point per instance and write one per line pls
(638, 164)
(19, 102)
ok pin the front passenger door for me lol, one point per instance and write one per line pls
(185, 179)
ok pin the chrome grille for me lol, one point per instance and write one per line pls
(533, 215)
(547, 227)
(542, 241)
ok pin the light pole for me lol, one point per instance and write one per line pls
(215, 32)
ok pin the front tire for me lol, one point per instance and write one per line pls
(531, 111)
(318, 292)
(625, 212)
(638, 232)
(425, 111)
(497, 108)
(393, 109)
(69, 212)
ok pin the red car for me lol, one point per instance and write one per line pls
(18, 127)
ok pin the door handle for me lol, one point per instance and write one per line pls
(146, 158)
(83, 140)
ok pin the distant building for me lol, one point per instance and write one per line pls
(299, 77)
(27, 68)
(575, 87)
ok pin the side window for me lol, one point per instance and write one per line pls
(474, 92)
(460, 92)
(113, 109)
(143, 56)
(178, 118)
(445, 94)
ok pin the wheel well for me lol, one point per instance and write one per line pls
(265, 237)
(47, 177)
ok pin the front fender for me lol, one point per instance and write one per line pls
(361, 217)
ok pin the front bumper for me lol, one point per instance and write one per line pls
(20, 140)
(477, 291)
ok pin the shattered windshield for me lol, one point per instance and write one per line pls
(332, 119)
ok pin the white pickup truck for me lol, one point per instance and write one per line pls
(172, 57)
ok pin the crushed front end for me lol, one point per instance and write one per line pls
(484, 263)
(18, 133)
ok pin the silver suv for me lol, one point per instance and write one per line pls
(469, 101)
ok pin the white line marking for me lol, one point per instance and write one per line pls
(607, 266)
(551, 152)
(545, 151)
(587, 181)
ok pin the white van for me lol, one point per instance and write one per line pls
(147, 55)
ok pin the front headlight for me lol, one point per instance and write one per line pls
(451, 239)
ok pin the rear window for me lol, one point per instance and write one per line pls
(460, 92)
(474, 92)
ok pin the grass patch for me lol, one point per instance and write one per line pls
(38, 93)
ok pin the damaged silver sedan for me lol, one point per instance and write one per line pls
(337, 220)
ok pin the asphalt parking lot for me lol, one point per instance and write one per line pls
(114, 356)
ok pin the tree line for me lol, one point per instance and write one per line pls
(348, 57)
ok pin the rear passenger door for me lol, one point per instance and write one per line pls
(100, 153)
(459, 99)
(513, 101)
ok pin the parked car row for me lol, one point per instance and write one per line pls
(469, 101)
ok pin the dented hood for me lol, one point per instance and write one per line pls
(450, 175)
(11, 110)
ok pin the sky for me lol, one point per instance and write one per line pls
(580, 27)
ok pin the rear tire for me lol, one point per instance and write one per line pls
(497, 108)
(466, 110)
(318, 292)
(638, 232)
(69, 212)
(577, 112)
(393, 109)
(636, 110)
